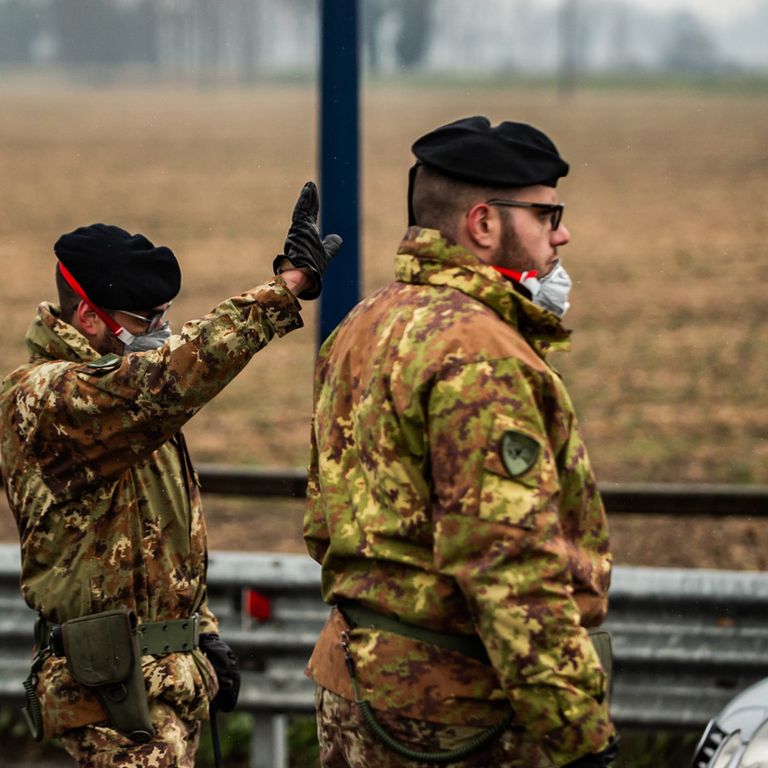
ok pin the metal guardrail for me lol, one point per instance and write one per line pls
(619, 498)
(685, 641)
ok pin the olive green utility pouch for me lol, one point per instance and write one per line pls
(102, 652)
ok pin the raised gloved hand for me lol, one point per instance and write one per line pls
(304, 248)
(597, 760)
(225, 664)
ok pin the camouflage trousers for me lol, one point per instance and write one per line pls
(346, 741)
(173, 746)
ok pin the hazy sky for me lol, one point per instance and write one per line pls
(712, 10)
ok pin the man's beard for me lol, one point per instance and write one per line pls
(109, 343)
(512, 254)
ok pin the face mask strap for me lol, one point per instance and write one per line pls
(527, 278)
(521, 277)
(125, 336)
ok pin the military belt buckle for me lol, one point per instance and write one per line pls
(157, 638)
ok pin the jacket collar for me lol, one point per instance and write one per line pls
(50, 338)
(426, 257)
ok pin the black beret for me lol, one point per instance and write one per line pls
(505, 155)
(118, 270)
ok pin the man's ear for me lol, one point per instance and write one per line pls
(88, 322)
(483, 227)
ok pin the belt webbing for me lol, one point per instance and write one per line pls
(155, 637)
(361, 616)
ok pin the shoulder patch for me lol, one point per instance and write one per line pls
(518, 452)
(107, 362)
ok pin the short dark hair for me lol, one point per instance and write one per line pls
(439, 200)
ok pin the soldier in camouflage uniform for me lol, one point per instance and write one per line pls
(452, 505)
(101, 485)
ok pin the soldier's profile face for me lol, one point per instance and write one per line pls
(527, 238)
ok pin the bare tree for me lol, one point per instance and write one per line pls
(691, 48)
(413, 40)
(568, 27)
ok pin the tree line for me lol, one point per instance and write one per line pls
(245, 39)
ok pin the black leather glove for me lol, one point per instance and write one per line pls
(225, 664)
(304, 247)
(597, 760)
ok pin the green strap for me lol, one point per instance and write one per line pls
(470, 747)
(358, 615)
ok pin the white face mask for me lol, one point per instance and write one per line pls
(552, 291)
(143, 342)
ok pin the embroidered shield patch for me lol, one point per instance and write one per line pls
(518, 452)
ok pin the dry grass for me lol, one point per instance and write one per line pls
(665, 203)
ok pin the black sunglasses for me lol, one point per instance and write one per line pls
(555, 209)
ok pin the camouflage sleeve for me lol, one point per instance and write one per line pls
(316, 534)
(208, 622)
(498, 533)
(104, 419)
(583, 518)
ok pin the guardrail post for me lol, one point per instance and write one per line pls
(269, 742)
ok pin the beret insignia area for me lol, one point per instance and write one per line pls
(518, 452)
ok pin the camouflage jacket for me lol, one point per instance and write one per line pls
(100, 483)
(449, 486)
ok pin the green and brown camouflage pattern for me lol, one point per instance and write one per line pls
(99, 480)
(346, 741)
(173, 746)
(413, 512)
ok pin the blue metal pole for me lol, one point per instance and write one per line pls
(340, 156)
